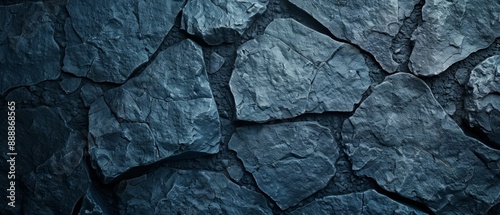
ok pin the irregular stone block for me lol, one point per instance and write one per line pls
(368, 202)
(90, 93)
(289, 161)
(168, 111)
(69, 85)
(482, 102)
(169, 191)
(372, 24)
(401, 137)
(283, 74)
(117, 37)
(451, 31)
(50, 173)
(216, 62)
(219, 21)
(28, 52)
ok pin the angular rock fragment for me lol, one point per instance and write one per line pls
(69, 85)
(401, 137)
(50, 174)
(483, 98)
(216, 62)
(283, 74)
(168, 111)
(289, 161)
(451, 31)
(372, 25)
(90, 93)
(368, 202)
(220, 21)
(117, 36)
(28, 52)
(169, 191)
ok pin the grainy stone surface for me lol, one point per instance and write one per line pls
(401, 137)
(483, 98)
(28, 52)
(170, 191)
(289, 161)
(282, 74)
(372, 25)
(166, 112)
(451, 31)
(219, 21)
(368, 202)
(116, 37)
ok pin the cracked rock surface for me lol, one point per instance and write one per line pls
(372, 25)
(401, 137)
(282, 74)
(219, 21)
(451, 31)
(168, 111)
(483, 100)
(289, 161)
(368, 202)
(53, 176)
(28, 52)
(171, 191)
(114, 38)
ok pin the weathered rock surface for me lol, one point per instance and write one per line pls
(451, 31)
(50, 174)
(219, 21)
(90, 93)
(283, 74)
(372, 25)
(168, 111)
(117, 37)
(28, 52)
(92, 204)
(169, 191)
(289, 161)
(483, 98)
(368, 202)
(401, 137)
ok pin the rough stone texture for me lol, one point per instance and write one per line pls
(90, 93)
(289, 161)
(282, 74)
(368, 202)
(50, 173)
(483, 100)
(169, 191)
(116, 37)
(219, 21)
(451, 31)
(168, 111)
(372, 25)
(70, 85)
(216, 62)
(91, 204)
(401, 137)
(28, 52)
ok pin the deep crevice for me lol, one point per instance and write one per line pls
(404, 200)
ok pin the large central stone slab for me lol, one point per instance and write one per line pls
(292, 70)
(168, 111)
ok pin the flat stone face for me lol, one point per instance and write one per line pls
(289, 161)
(28, 52)
(282, 74)
(169, 191)
(50, 173)
(219, 21)
(483, 98)
(372, 24)
(368, 202)
(116, 37)
(401, 137)
(168, 111)
(451, 31)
